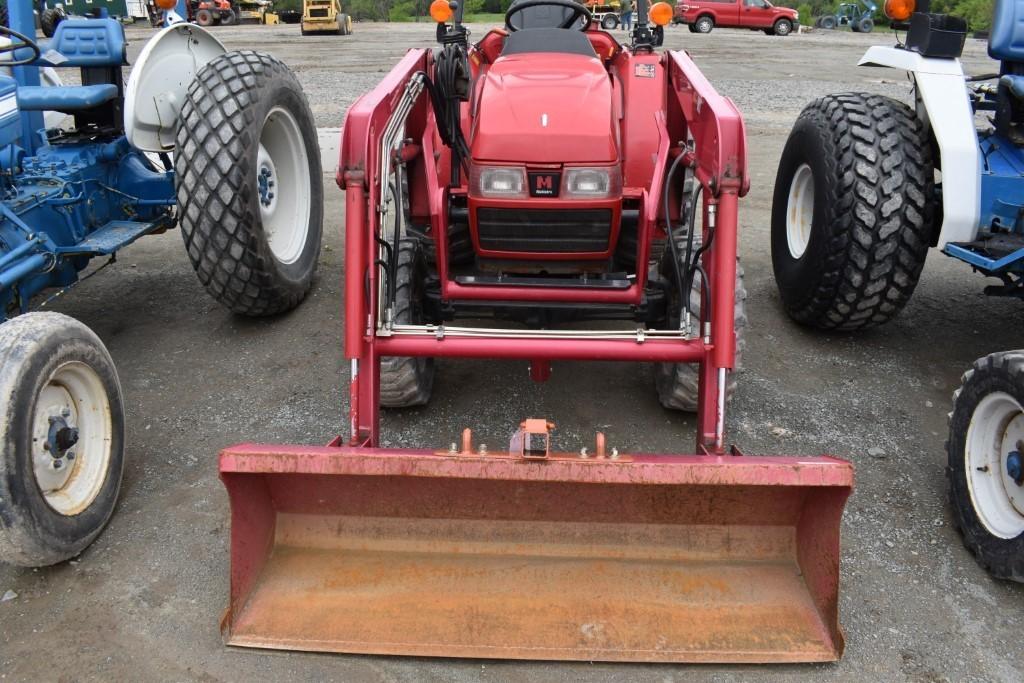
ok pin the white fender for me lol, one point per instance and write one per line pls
(159, 80)
(942, 91)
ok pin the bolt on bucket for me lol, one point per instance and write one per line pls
(636, 558)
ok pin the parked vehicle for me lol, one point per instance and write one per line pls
(325, 16)
(858, 205)
(249, 210)
(703, 15)
(601, 183)
(859, 16)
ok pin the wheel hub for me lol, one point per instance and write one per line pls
(71, 437)
(283, 185)
(266, 182)
(1015, 467)
(800, 211)
(995, 466)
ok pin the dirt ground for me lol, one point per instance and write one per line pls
(145, 601)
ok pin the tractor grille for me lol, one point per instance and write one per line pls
(544, 230)
(318, 12)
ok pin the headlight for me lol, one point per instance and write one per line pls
(501, 182)
(592, 183)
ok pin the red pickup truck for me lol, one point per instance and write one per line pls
(704, 15)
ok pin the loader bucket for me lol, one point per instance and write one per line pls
(639, 558)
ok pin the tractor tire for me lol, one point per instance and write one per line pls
(407, 382)
(828, 23)
(852, 215)
(344, 25)
(782, 27)
(986, 486)
(704, 24)
(249, 184)
(678, 383)
(48, 21)
(609, 22)
(229, 18)
(61, 439)
(348, 25)
(204, 17)
(866, 25)
(855, 27)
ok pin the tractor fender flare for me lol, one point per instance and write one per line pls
(944, 107)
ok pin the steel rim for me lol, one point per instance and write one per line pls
(283, 185)
(704, 25)
(996, 429)
(70, 477)
(800, 211)
(782, 29)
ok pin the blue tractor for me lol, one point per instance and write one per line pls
(858, 204)
(218, 144)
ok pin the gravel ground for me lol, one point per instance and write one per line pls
(144, 602)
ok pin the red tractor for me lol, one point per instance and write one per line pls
(213, 13)
(571, 198)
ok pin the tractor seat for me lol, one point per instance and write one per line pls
(1006, 41)
(565, 41)
(87, 43)
(68, 99)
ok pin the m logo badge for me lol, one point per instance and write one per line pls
(544, 183)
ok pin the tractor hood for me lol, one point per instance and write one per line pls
(545, 108)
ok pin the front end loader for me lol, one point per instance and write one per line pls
(499, 196)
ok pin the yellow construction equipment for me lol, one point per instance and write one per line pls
(325, 16)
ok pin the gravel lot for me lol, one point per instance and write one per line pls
(145, 601)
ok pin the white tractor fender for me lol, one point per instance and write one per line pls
(942, 93)
(159, 81)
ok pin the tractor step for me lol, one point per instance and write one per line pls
(516, 281)
(991, 252)
(113, 236)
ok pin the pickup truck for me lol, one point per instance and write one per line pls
(704, 15)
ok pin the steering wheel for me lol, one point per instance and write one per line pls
(579, 12)
(21, 42)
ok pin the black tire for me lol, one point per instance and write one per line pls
(33, 347)
(691, 28)
(872, 221)
(1003, 372)
(223, 117)
(204, 17)
(609, 22)
(407, 382)
(229, 18)
(855, 27)
(48, 21)
(782, 27)
(703, 24)
(349, 27)
(866, 25)
(828, 22)
(677, 384)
